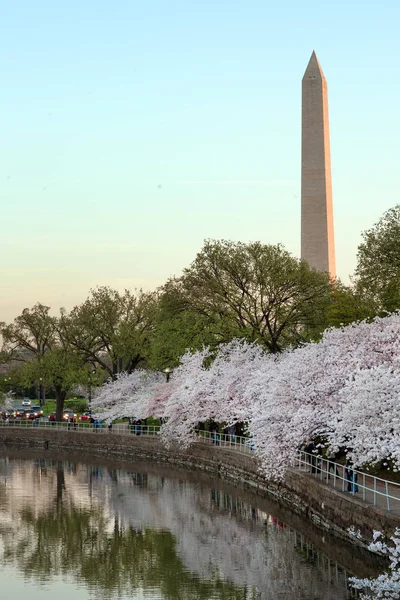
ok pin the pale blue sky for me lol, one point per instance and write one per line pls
(131, 131)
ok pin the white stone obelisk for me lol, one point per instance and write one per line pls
(317, 236)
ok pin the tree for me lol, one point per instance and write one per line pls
(35, 341)
(5, 401)
(387, 584)
(378, 268)
(255, 291)
(179, 328)
(347, 305)
(112, 330)
(345, 388)
(304, 394)
(30, 335)
(27, 340)
(62, 367)
(366, 420)
(128, 395)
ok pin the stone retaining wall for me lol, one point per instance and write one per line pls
(302, 493)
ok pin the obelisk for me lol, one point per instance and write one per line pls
(317, 237)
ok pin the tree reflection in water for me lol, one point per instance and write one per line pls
(116, 532)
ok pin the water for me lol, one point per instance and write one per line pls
(77, 530)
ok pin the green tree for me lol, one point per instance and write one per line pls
(112, 330)
(256, 291)
(62, 368)
(178, 328)
(347, 305)
(377, 275)
(33, 342)
(30, 335)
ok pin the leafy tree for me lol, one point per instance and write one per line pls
(178, 328)
(347, 305)
(255, 291)
(378, 269)
(112, 330)
(30, 335)
(34, 342)
(62, 367)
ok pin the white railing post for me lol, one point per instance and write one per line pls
(387, 495)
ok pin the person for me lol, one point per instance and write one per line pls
(69, 423)
(214, 432)
(309, 449)
(109, 424)
(351, 477)
(332, 466)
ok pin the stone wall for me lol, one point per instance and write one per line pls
(302, 493)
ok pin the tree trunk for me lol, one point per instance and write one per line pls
(60, 398)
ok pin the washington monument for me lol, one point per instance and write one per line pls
(317, 238)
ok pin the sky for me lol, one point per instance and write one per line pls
(133, 131)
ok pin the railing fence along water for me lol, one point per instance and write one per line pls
(377, 491)
(373, 489)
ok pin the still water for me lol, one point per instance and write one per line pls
(76, 530)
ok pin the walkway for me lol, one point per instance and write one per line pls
(372, 490)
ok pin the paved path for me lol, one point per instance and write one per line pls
(374, 492)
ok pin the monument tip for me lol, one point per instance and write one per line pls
(313, 68)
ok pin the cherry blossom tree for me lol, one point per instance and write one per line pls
(129, 395)
(5, 402)
(302, 396)
(386, 585)
(346, 389)
(368, 421)
(216, 392)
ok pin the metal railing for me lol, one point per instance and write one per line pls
(222, 440)
(375, 490)
(83, 427)
(226, 440)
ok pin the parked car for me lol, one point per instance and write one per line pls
(34, 412)
(69, 414)
(28, 414)
(19, 413)
(37, 411)
(86, 416)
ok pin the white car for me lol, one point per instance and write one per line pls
(26, 402)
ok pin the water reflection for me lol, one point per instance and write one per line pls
(117, 533)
